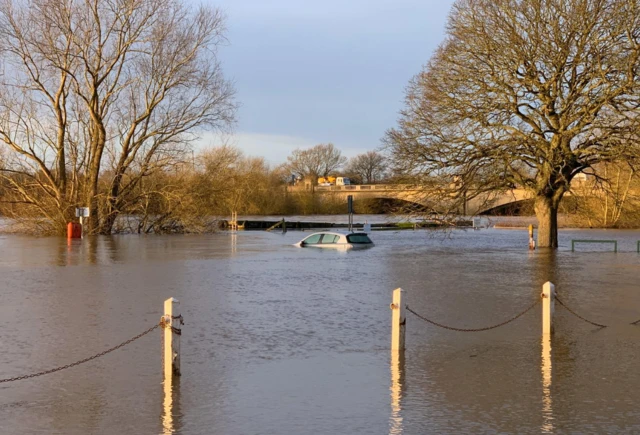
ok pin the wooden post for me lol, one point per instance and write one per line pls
(532, 242)
(398, 320)
(171, 338)
(548, 307)
(171, 359)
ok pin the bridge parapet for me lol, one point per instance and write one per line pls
(475, 204)
(367, 187)
(424, 196)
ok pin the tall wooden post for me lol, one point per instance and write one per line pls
(532, 242)
(350, 211)
(171, 359)
(171, 338)
(548, 307)
(398, 320)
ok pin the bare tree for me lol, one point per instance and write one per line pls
(318, 161)
(525, 93)
(369, 168)
(104, 88)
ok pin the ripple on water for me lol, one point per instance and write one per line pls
(281, 339)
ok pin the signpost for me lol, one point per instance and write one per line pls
(82, 212)
(350, 211)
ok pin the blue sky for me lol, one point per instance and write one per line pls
(309, 72)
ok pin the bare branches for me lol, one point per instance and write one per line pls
(524, 92)
(111, 89)
(368, 168)
(318, 161)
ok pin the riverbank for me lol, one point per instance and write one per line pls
(338, 221)
(269, 225)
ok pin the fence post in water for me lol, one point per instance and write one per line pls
(398, 320)
(548, 307)
(172, 321)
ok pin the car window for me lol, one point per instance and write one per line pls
(312, 239)
(358, 238)
(330, 238)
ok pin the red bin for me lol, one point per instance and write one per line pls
(74, 230)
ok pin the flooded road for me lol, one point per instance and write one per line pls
(285, 340)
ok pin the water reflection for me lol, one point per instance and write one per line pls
(234, 242)
(397, 382)
(546, 267)
(170, 405)
(280, 337)
(92, 249)
(111, 249)
(74, 252)
(547, 402)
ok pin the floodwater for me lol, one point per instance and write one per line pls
(286, 340)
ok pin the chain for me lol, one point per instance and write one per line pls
(579, 316)
(166, 324)
(57, 369)
(475, 329)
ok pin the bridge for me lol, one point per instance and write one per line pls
(418, 195)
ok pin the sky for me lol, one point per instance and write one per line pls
(309, 72)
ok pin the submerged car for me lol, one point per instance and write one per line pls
(329, 239)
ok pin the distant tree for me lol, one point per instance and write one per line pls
(318, 161)
(228, 181)
(608, 198)
(369, 168)
(524, 93)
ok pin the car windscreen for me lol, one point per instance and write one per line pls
(358, 238)
(312, 239)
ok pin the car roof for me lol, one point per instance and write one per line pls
(335, 233)
(338, 233)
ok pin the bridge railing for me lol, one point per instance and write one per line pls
(367, 187)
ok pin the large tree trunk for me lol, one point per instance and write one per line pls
(110, 216)
(547, 214)
(95, 164)
(111, 208)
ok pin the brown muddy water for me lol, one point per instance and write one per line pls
(286, 340)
